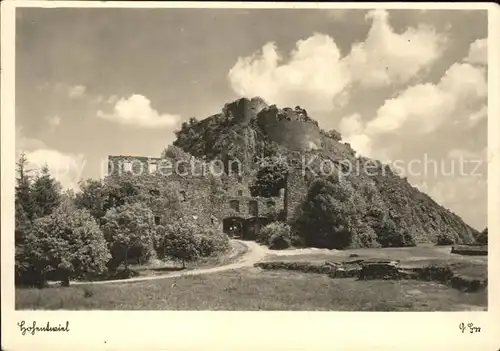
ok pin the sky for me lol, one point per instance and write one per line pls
(407, 87)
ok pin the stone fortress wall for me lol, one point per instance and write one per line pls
(194, 191)
(290, 127)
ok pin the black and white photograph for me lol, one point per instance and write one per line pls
(251, 158)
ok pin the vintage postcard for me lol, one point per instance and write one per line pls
(226, 176)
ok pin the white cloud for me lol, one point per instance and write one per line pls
(386, 57)
(479, 115)
(312, 77)
(113, 99)
(423, 108)
(317, 77)
(54, 121)
(65, 167)
(76, 91)
(478, 52)
(137, 111)
(352, 124)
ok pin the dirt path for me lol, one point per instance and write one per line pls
(254, 254)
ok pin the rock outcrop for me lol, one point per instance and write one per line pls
(246, 129)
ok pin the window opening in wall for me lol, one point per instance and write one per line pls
(127, 166)
(213, 219)
(253, 207)
(235, 205)
(153, 167)
(183, 195)
(157, 220)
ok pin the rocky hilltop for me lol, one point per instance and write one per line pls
(249, 129)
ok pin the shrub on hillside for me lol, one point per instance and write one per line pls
(482, 238)
(66, 244)
(399, 239)
(276, 235)
(445, 239)
(390, 235)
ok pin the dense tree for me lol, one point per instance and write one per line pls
(129, 230)
(68, 199)
(66, 244)
(324, 218)
(182, 241)
(121, 190)
(92, 197)
(271, 177)
(152, 189)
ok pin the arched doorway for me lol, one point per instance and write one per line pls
(234, 227)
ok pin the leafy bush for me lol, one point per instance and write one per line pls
(64, 245)
(213, 242)
(129, 230)
(276, 235)
(390, 235)
(186, 241)
(445, 239)
(181, 242)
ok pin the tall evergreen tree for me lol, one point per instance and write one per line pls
(24, 215)
(23, 199)
(46, 193)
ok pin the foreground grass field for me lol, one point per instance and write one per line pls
(253, 289)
